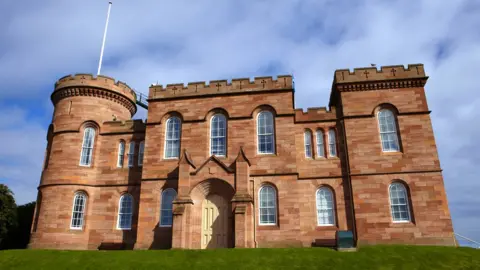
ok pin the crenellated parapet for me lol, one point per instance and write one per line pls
(315, 114)
(387, 77)
(100, 86)
(219, 87)
(122, 127)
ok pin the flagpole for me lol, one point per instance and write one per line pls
(104, 37)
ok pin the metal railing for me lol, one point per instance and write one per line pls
(468, 240)
(141, 100)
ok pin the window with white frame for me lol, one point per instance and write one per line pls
(218, 135)
(332, 145)
(265, 133)
(268, 205)
(141, 150)
(166, 214)
(131, 154)
(121, 154)
(399, 202)
(125, 211)
(87, 147)
(388, 131)
(307, 136)
(320, 145)
(325, 207)
(172, 138)
(78, 211)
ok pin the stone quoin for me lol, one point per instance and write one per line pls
(234, 164)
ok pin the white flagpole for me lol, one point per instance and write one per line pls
(104, 37)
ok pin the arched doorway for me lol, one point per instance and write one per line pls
(215, 210)
(211, 219)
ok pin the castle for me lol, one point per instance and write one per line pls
(234, 164)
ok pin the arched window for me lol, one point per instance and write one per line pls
(78, 211)
(332, 145)
(172, 138)
(308, 143)
(166, 214)
(131, 154)
(388, 131)
(141, 150)
(121, 154)
(325, 207)
(218, 135)
(320, 145)
(87, 147)
(265, 133)
(268, 205)
(125, 211)
(399, 202)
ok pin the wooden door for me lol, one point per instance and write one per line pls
(214, 222)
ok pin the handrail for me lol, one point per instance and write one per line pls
(468, 239)
(141, 100)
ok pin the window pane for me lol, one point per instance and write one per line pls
(399, 202)
(166, 214)
(267, 206)
(325, 207)
(265, 133)
(78, 210)
(172, 138)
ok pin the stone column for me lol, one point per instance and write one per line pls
(182, 204)
(242, 202)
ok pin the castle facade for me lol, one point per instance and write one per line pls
(234, 164)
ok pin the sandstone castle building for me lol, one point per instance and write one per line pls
(234, 164)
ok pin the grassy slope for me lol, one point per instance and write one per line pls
(375, 257)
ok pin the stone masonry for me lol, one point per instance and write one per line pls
(359, 176)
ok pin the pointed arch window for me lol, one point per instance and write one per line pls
(172, 138)
(325, 207)
(141, 150)
(399, 202)
(125, 212)
(87, 147)
(388, 131)
(268, 205)
(166, 214)
(218, 135)
(265, 133)
(307, 136)
(320, 144)
(332, 143)
(131, 154)
(121, 154)
(78, 211)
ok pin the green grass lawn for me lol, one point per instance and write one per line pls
(372, 257)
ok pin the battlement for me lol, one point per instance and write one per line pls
(385, 73)
(88, 80)
(127, 126)
(315, 114)
(221, 87)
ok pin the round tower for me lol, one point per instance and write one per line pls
(74, 159)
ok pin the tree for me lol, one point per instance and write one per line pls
(8, 213)
(19, 236)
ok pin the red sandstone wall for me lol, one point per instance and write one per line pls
(416, 164)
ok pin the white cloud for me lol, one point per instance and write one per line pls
(182, 41)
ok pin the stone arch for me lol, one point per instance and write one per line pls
(169, 114)
(263, 107)
(389, 106)
(199, 194)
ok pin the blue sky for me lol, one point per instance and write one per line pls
(182, 41)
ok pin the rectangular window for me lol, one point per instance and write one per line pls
(140, 153)
(121, 154)
(320, 146)
(332, 146)
(131, 154)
